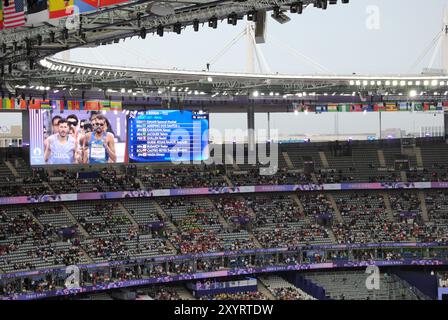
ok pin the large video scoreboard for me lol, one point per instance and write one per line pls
(167, 135)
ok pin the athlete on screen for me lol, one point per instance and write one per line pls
(99, 145)
(60, 148)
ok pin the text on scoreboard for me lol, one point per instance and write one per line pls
(168, 136)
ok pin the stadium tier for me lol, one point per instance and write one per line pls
(166, 239)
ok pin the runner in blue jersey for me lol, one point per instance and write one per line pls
(60, 148)
(99, 145)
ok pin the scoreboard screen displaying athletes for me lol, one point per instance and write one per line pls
(168, 136)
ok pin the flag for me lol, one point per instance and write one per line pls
(378, 107)
(356, 108)
(332, 108)
(14, 14)
(61, 8)
(87, 5)
(404, 106)
(418, 106)
(57, 105)
(73, 105)
(321, 108)
(344, 108)
(37, 12)
(1, 15)
(45, 104)
(425, 106)
(105, 105)
(391, 106)
(105, 3)
(19, 104)
(92, 105)
(116, 105)
(34, 104)
(7, 103)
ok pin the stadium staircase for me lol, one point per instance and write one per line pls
(12, 169)
(390, 213)
(128, 215)
(335, 208)
(314, 178)
(381, 158)
(169, 224)
(227, 180)
(140, 183)
(264, 290)
(324, 160)
(299, 203)
(418, 156)
(221, 219)
(73, 219)
(28, 212)
(288, 160)
(404, 177)
(183, 293)
(255, 241)
(421, 197)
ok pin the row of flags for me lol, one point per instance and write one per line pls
(377, 107)
(36, 104)
(19, 13)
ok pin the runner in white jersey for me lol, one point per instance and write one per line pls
(60, 148)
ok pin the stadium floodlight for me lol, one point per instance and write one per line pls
(352, 82)
(418, 82)
(387, 82)
(358, 82)
(372, 82)
(365, 82)
(209, 79)
(378, 83)
(426, 82)
(255, 93)
(280, 16)
(413, 93)
(409, 83)
(402, 83)
(434, 83)
(395, 83)
(441, 83)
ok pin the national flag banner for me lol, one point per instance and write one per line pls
(391, 106)
(1, 15)
(404, 106)
(45, 104)
(19, 104)
(92, 105)
(7, 103)
(57, 105)
(37, 12)
(356, 108)
(61, 8)
(73, 105)
(418, 106)
(432, 106)
(105, 3)
(439, 106)
(332, 107)
(86, 5)
(116, 105)
(321, 108)
(105, 105)
(367, 107)
(425, 106)
(34, 104)
(344, 108)
(378, 107)
(14, 14)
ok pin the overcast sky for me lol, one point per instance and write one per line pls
(337, 39)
